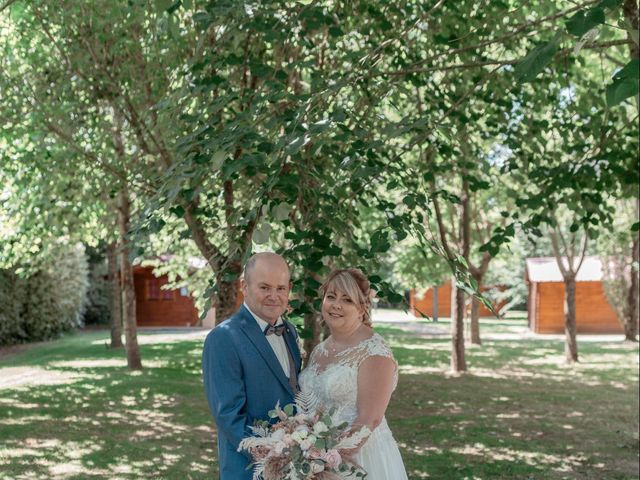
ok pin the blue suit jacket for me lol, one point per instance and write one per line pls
(243, 380)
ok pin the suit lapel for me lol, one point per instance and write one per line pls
(256, 336)
(292, 345)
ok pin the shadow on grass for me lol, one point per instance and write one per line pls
(519, 412)
(102, 421)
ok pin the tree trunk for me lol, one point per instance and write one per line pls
(116, 297)
(226, 298)
(630, 9)
(311, 325)
(570, 345)
(458, 362)
(436, 306)
(631, 314)
(128, 288)
(475, 320)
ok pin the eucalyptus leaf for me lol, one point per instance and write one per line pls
(261, 233)
(585, 20)
(281, 211)
(625, 84)
(536, 60)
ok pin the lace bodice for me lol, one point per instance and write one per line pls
(334, 379)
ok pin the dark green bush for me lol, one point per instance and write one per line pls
(48, 302)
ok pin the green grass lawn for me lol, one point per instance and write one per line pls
(518, 414)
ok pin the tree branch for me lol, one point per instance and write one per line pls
(499, 63)
(557, 253)
(514, 30)
(441, 228)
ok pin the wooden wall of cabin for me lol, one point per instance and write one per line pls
(593, 312)
(424, 304)
(161, 308)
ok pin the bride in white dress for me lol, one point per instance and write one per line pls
(353, 371)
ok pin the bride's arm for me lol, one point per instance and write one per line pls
(375, 386)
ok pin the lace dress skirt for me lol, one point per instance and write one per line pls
(380, 456)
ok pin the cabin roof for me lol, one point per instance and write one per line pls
(545, 269)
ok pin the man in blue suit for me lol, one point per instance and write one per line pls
(251, 361)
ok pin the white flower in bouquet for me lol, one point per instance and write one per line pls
(319, 428)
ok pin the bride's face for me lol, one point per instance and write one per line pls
(339, 311)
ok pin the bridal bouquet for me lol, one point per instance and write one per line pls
(304, 446)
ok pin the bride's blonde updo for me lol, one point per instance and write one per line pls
(355, 285)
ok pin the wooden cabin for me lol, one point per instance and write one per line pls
(546, 298)
(436, 302)
(156, 307)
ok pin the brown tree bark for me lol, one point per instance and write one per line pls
(227, 295)
(312, 319)
(631, 313)
(128, 290)
(116, 297)
(630, 9)
(458, 360)
(436, 305)
(569, 273)
(311, 324)
(570, 344)
(474, 333)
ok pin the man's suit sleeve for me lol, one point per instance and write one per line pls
(225, 386)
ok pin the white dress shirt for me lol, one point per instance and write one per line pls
(277, 342)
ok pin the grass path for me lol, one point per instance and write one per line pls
(73, 411)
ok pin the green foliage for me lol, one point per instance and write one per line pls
(625, 83)
(615, 249)
(48, 302)
(308, 127)
(585, 20)
(98, 307)
(11, 300)
(536, 60)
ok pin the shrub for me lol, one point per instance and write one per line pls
(98, 310)
(11, 290)
(48, 302)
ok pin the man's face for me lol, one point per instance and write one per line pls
(267, 292)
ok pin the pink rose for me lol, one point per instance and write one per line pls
(333, 458)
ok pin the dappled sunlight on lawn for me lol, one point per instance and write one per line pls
(561, 463)
(101, 363)
(431, 346)
(152, 423)
(25, 420)
(150, 426)
(16, 377)
(411, 370)
(15, 403)
(519, 412)
(149, 337)
(104, 363)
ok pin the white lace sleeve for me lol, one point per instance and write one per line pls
(372, 347)
(377, 347)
